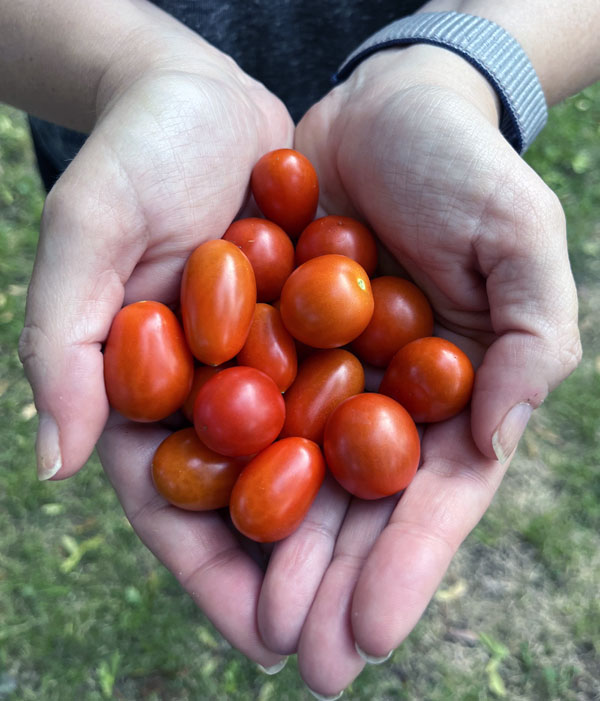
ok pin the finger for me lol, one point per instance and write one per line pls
(327, 658)
(445, 500)
(296, 567)
(198, 547)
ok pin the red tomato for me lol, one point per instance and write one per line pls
(324, 380)
(327, 302)
(371, 446)
(202, 375)
(431, 377)
(239, 411)
(269, 250)
(286, 189)
(270, 348)
(401, 315)
(335, 234)
(148, 368)
(218, 294)
(275, 490)
(190, 475)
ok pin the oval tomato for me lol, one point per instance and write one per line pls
(275, 490)
(239, 411)
(431, 377)
(286, 189)
(323, 381)
(148, 367)
(336, 234)
(371, 446)
(202, 374)
(327, 302)
(191, 476)
(218, 294)
(269, 250)
(401, 314)
(270, 348)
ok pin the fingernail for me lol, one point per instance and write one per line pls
(371, 659)
(275, 668)
(47, 447)
(320, 697)
(508, 434)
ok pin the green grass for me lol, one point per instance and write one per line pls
(87, 613)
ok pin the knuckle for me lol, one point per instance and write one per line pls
(31, 340)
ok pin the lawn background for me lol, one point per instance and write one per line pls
(87, 613)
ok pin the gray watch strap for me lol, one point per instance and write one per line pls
(489, 48)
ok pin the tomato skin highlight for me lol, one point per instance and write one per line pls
(327, 302)
(323, 381)
(276, 489)
(286, 189)
(270, 251)
(431, 377)
(239, 412)
(148, 367)
(371, 446)
(336, 234)
(401, 314)
(270, 348)
(218, 294)
(191, 476)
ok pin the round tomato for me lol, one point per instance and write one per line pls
(335, 234)
(269, 250)
(401, 315)
(239, 411)
(323, 381)
(371, 446)
(148, 368)
(218, 295)
(190, 475)
(327, 302)
(286, 189)
(275, 490)
(269, 347)
(431, 377)
(202, 374)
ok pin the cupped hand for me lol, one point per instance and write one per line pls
(410, 144)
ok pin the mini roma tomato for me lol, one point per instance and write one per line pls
(335, 234)
(202, 374)
(371, 446)
(239, 411)
(270, 348)
(401, 315)
(218, 295)
(190, 475)
(276, 489)
(431, 377)
(324, 380)
(148, 367)
(270, 251)
(327, 302)
(286, 189)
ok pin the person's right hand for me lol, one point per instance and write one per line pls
(165, 168)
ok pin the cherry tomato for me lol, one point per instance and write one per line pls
(401, 315)
(324, 380)
(239, 411)
(190, 475)
(275, 490)
(218, 294)
(148, 368)
(335, 234)
(371, 446)
(286, 189)
(269, 250)
(327, 301)
(431, 377)
(270, 348)
(202, 374)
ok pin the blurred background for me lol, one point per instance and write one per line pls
(87, 613)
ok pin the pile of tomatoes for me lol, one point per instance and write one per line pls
(268, 361)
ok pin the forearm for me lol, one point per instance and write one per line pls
(560, 38)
